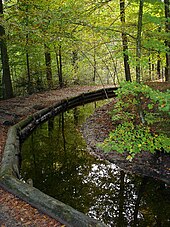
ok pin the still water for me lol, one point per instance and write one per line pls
(55, 157)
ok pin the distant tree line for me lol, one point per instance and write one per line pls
(50, 44)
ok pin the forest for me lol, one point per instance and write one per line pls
(53, 44)
(57, 55)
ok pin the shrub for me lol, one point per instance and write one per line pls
(137, 112)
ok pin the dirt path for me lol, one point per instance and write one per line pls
(13, 211)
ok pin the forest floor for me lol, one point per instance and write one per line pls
(15, 212)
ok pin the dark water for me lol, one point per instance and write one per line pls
(56, 159)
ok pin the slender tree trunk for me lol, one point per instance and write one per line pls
(159, 66)
(75, 66)
(59, 66)
(153, 69)
(159, 61)
(29, 88)
(95, 64)
(48, 66)
(124, 42)
(75, 58)
(167, 41)
(7, 91)
(28, 67)
(162, 72)
(138, 42)
(28, 72)
(115, 74)
(149, 65)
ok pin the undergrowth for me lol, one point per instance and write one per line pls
(138, 111)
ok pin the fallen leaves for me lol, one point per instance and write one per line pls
(25, 214)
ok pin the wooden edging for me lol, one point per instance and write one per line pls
(9, 172)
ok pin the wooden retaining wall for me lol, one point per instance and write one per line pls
(10, 175)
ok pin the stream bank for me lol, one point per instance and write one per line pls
(97, 128)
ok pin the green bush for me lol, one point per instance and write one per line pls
(136, 115)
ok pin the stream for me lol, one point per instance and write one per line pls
(56, 159)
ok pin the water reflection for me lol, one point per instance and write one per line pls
(55, 158)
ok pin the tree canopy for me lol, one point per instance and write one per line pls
(63, 42)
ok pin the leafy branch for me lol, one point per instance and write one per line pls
(134, 133)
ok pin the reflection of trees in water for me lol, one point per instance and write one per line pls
(76, 115)
(121, 199)
(113, 205)
(138, 200)
(55, 157)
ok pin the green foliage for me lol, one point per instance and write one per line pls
(130, 95)
(134, 139)
(135, 103)
(92, 29)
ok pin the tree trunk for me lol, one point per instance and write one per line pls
(150, 71)
(167, 41)
(28, 74)
(95, 64)
(158, 66)
(153, 68)
(59, 66)
(138, 42)
(124, 42)
(48, 67)
(29, 87)
(75, 66)
(7, 91)
(159, 61)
